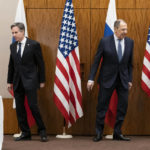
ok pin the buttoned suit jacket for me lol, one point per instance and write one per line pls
(30, 69)
(111, 67)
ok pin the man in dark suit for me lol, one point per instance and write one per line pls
(26, 73)
(115, 73)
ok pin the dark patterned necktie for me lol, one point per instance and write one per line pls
(19, 52)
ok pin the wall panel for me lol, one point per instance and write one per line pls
(81, 3)
(99, 3)
(126, 3)
(142, 4)
(37, 4)
(26, 3)
(10, 120)
(44, 26)
(56, 3)
(61, 3)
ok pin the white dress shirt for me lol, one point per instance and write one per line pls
(23, 42)
(121, 42)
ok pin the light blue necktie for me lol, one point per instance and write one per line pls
(119, 50)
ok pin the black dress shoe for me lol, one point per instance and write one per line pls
(97, 138)
(23, 136)
(120, 137)
(43, 136)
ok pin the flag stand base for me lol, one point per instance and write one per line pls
(109, 137)
(17, 135)
(64, 135)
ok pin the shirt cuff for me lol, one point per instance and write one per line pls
(90, 81)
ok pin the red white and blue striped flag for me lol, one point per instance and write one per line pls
(145, 82)
(67, 84)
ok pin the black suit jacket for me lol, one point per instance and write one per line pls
(111, 67)
(31, 68)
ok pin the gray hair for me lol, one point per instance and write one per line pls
(20, 25)
(117, 23)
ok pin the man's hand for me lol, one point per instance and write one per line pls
(90, 85)
(42, 85)
(130, 85)
(9, 86)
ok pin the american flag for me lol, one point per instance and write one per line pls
(145, 82)
(67, 84)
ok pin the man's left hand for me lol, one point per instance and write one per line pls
(130, 85)
(42, 85)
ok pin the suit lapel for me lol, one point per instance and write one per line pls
(15, 47)
(14, 50)
(26, 47)
(113, 47)
(115, 51)
(125, 49)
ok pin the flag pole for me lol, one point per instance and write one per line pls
(64, 135)
(67, 83)
(1, 122)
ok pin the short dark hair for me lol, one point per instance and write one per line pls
(20, 25)
(117, 23)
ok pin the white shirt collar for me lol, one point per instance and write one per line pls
(116, 38)
(121, 42)
(23, 41)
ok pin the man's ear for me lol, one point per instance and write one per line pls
(115, 30)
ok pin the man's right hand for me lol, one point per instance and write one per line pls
(9, 86)
(90, 85)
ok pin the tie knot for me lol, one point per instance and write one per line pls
(119, 40)
(19, 44)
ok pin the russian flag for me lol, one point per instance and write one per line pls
(110, 117)
(110, 19)
(20, 17)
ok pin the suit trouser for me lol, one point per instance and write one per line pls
(19, 94)
(103, 103)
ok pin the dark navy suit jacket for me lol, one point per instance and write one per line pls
(31, 68)
(111, 67)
